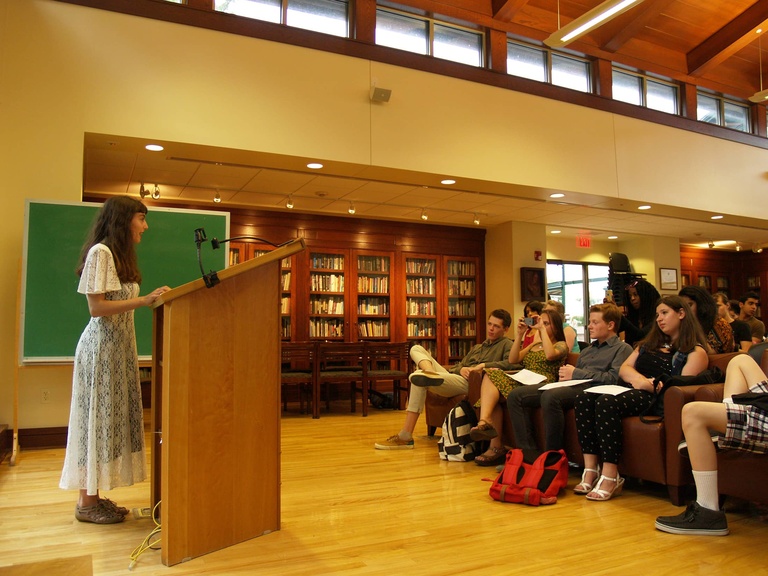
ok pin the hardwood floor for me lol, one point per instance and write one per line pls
(350, 509)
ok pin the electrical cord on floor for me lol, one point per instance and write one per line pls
(147, 543)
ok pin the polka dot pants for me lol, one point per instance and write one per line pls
(598, 420)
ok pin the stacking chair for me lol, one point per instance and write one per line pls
(341, 363)
(298, 368)
(388, 361)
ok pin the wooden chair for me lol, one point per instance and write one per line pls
(340, 363)
(298, 368)
(388, 361)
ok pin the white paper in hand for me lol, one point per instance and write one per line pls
(527, 377)
(564, 383)
(612, 389)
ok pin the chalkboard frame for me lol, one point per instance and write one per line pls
(54, 314)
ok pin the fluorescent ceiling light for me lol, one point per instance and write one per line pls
(592, 19)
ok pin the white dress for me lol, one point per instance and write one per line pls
(105, 445)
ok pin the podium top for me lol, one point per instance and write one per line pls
(277, 254)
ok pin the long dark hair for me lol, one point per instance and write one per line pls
(690, 335)
(557, 324)
(706, 307)
(649, 296)
(112, 227)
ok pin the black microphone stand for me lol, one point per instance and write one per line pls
(210, 279)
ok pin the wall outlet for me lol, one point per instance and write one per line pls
(45, 396)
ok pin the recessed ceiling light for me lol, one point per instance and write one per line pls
(314, 165)
(557, 195)
(716, 217)
(644, 207)
(555, 232)
(613, 237)
(447, 181)
(154, 147)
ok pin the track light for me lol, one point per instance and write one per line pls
(757, 249)
(738, 247)
(711, 244)
(217, 197)
(351, 208)
(143, 192)
(156, 192)
(289, 203)
(476, 220)
(588, 21)
(424, 214)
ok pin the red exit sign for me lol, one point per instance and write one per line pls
(584, 241)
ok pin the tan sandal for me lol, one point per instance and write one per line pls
(492, 457)
(98, 514)
(107, 503)
(483, 431)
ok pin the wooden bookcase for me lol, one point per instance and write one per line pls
(374, 280)
(371, 316)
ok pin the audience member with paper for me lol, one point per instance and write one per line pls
(541, 361)
(598, 364)
(675, 345)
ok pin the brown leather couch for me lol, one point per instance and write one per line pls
(649, 450)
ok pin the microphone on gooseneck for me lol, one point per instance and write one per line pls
(210, 279)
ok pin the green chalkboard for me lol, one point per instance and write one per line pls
(54, 313)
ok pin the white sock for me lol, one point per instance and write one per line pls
(707, 495)
(405, 435)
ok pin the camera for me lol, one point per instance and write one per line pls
(530, 321)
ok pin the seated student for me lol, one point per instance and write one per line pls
(742, 337)
(599, 362)
(748, 304)
(745, 428)
(532, 310)
(493, 353)
(544, 357)
(717, 330)
(570, 333)
(675, 346)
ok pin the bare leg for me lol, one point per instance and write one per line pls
(85, 499)
(489, 402)
(742, 373)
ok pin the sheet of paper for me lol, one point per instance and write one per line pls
(527, 377)
(564, 383)
(611, 389)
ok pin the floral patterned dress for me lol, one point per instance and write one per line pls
(105, 444)
(535, 361)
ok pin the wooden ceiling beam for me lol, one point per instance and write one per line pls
(613, 35)
(731, 38)
(505, 10)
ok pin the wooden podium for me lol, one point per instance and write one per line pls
(216, 408)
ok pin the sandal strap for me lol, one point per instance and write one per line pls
(98, 514)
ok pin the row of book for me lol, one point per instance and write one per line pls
(420, 307)
(327, 262)
(373, 264)
(421, 328)
(461, 307)
(462, 328)
(420, 286)
(461, 268)
(373, 284)
(373, 306)
(326, 282)
(332, 305)
(419, 266)
(461, 287)
(373, 329)
(322, 328)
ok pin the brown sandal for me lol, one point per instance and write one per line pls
(499, 457)
(483, 431)
(109, 505)
(98, 514)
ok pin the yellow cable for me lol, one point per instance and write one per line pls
(147, 543)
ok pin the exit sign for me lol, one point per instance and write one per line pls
(584, 241)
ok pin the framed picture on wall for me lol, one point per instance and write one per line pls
(668, 278)
(532, 284)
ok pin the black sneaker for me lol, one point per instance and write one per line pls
(682, 448)
(695, 521)
(424, 378)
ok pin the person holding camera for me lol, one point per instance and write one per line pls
(544, 356)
